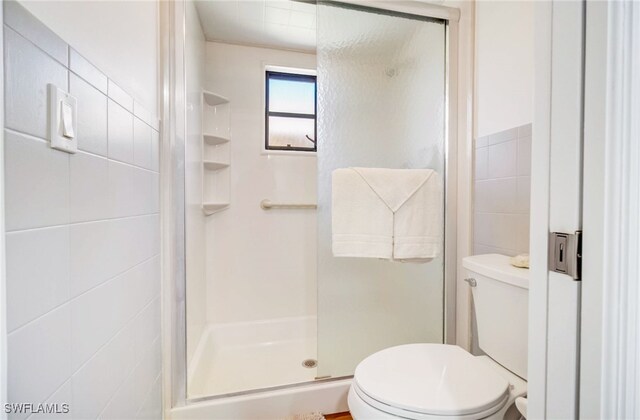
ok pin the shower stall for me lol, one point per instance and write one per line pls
(261, 303)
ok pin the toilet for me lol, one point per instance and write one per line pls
(441, 381)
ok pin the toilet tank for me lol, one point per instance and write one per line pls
(501, 301)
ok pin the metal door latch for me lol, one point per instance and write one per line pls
(565, 253)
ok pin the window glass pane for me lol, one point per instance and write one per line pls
(296, 96)
(291, 132)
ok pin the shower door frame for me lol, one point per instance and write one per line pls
(458, 138)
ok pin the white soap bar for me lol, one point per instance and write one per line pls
(521, 261)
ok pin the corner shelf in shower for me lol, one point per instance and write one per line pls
(213, 99)
(216, 177)
(214, 166)
(214, 140)
(211, 208)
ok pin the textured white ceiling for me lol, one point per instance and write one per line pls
(283, 24)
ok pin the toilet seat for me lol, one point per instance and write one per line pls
(425, 381)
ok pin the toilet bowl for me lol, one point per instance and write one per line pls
(440, 381)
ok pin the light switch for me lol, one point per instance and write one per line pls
(67, 121)
(63, 120)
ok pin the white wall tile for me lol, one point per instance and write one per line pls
(83, 68)
(89, 179)
(496, 195)
(36, 185)
(525, 131)
(141, 144)
(502, 136)
(95, 318)
(155, 151)
(134, 240)
(524, 194)
(39, 357)
(524, 156)
(147, 327)
(501, 196)
(98, 380)
(120, 96)
(502, 158)
(92, 116)
(151, 406)
(147, 370)
(482, 156)
(91, 255)
(83, 273)
(120, 134)
(155, 193)
(123, 403)
(28, 70)
(522, 235)
(32, 29)
(123, 190)
(496, 229)
(61, 396)
(145, 115)
(37, 273)
(133, 191)
(486, 249)
(147, 287)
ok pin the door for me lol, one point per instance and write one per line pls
(556, 206)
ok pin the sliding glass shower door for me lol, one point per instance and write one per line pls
(381, 104)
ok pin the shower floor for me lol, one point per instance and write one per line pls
(253, 355)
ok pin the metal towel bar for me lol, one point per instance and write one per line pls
(268, 205)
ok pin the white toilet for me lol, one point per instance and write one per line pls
(440, 381)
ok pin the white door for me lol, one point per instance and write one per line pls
(584, 345)
(610, 336)
(556, 206)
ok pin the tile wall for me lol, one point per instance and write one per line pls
(83, 241)
(502, 189)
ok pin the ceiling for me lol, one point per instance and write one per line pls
(282, 24)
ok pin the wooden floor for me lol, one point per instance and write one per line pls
(338, 416)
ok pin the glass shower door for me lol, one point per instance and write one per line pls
(381, 104)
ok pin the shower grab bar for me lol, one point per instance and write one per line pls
(268, 205)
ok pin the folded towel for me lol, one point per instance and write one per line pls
(362, 224)
(387, 213)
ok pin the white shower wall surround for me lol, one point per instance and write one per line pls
(83, 267)
(502, 190)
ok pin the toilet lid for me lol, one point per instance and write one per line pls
(436, 379)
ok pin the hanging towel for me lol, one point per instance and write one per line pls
(387, 213)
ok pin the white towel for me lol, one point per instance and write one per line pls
(387, 213)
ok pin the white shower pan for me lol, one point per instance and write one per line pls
(262, 355)
(237, 357)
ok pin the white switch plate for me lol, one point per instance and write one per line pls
(58, 101)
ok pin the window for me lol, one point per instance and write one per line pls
(290, 114)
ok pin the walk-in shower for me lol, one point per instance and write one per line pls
(267, 304)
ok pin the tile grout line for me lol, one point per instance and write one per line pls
(69, 379)
(109, 219)
(72, 299)
(81, 151)
(67, 67)
(137, 365)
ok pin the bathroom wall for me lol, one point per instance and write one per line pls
(260, 264)
(195, 219)
(503, 65)
(502, 189)
(104, 33)
(503, 115)
(82, 240)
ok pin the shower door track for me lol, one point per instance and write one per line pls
(195, 400)
(172, 21)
